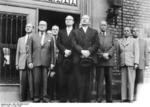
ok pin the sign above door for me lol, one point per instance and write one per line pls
(62, 2)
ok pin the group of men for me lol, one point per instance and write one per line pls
(71, 55)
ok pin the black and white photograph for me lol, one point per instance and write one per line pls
(74, 52)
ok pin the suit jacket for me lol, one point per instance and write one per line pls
(147, 51)
(84, 41)
(41, 55)
(142, 52)
(129, 51)
(63, 42)
(21, 56)
(56, 50)
(106, 45)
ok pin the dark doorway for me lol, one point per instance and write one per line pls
(57, 18)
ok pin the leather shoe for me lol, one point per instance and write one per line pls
(36, 100)
(45, 100)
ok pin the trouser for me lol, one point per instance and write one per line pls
(26, 84)
(65, 83)
(52, 84)
(104, 73)
(40, 75)
(127, 80)
(138, 80)
(83, 78)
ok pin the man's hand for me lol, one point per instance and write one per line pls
(52, 74)
(67, 53)
(52, 66)
(17, 67)
(85, 53)
(106, 55)
(135, 66)
(30, 65)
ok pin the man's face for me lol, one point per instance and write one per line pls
(42, 26)
(49, 32)
(135, 32)
(55, 30)
(103, 26)
(85, 20)
(127, 32)
(29, 28)
(69, 21)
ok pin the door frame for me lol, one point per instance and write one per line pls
(31, 13)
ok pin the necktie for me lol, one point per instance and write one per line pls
(26, 39)
(103, 33)
(42, 39)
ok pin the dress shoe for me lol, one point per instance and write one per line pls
(99, 100)
(45, 100)
(125, 101)
(109, 101)
(36, 100)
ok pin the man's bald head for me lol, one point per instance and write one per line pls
(69, 20)
(55, 29)
(103, 26)
(85, 20)
(42, 26)
(127, 31)
(29, 27)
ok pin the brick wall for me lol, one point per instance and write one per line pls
(134, 13)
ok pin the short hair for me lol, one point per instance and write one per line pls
(55, 26)
(69, 17)
(43, 22)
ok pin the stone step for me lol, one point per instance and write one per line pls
(9, 93)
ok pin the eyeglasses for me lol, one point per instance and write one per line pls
(69, 19)
(126, 30)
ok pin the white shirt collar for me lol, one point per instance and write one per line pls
(26, 37)
(69, 29)
(85, 28)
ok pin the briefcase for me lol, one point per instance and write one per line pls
(86, 62)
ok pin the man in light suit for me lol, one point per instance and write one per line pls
(21, 64)
(41, 57)
(129, 56)
(105, 62)
(142, 59)
(85, 45)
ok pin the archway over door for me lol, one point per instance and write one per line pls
(57, 18)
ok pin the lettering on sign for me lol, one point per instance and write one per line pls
(62, 2)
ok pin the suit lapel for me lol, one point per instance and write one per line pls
(23, 43)
(125, 41)
(88, 32)
(38, 39)
(82, 33)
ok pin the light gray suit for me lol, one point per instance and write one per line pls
(25, 73)
(129, 55)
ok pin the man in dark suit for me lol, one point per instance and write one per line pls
(105, 62)
(41, 57)
(53, 78)
(85, 45)
(21, 64)
(65, 75)
(142, 61)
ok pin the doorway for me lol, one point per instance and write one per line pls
(57, 18)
